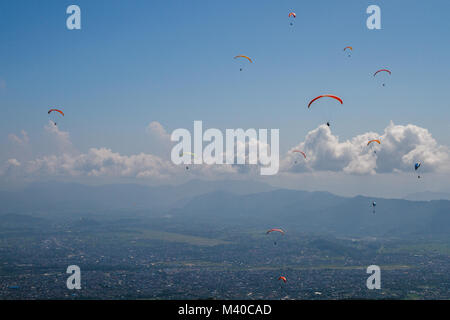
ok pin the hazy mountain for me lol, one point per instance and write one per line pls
(319, 212)
(57, 196)
(202, 205)
(427, 196)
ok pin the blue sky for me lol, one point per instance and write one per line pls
(135, 62)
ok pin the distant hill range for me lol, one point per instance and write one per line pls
(320, 212)
(240, 204)
(57, 196)
(427, 196)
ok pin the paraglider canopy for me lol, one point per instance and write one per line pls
(276, 230)
(375, 140)
(301, 152)
(245, 57)
(188, 153)
(55, 110)
(54, 117)
(382, 70)
(349, 48)
(292, 15)
(416, 167)
(282, 278)
(323, 96)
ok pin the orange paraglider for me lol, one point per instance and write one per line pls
(370, 142)
(245, 57)
(350, 48)
(375, 140)
(293, 16)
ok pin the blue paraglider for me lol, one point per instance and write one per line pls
(374, 204)
(416, 167)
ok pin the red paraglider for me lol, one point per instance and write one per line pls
(54, 117)
(382, 70)
(323, 96)
(299, 151)
(55, 110)
(276, 230)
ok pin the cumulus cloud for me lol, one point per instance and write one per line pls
(159, 139)
(13, 162)
(404, 145)
(102, 162)
(155, 129)
(60, 138)
(22, 140)
(9, 166)
(401, 146)
(246, 155)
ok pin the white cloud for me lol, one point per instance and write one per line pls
(401, 146)
(13, 162)
(60, 138)
(98, 162)
(156, 130)
(19, 140)
(159, 139)
(103, 162)
(9, 167)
